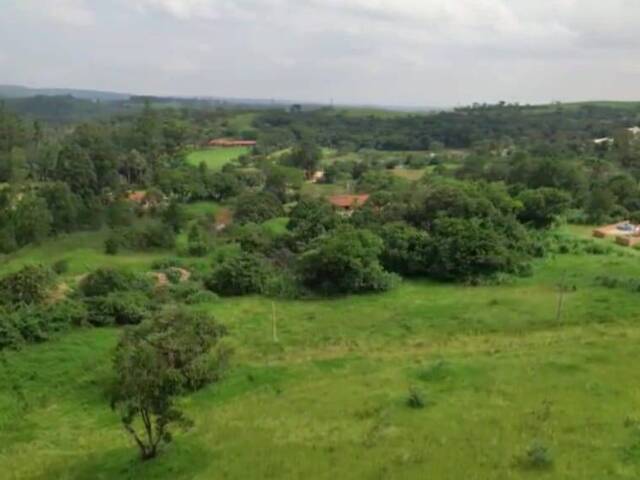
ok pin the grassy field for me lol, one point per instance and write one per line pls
(499, 372)
(216, 158)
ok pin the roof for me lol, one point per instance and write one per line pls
(348, 201)
(137, 196)
(232, 142)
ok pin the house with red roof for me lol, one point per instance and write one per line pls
(346, 204)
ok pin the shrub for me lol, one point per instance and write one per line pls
(61, 266)
(283, 284)
(111, 246)
(146, 237)
(10, 336)
(201, 296)
(199, 242)
(415, 399)
(167, 263)
(108, 280)
(537, 457)
(30, 285)
(239, 274)
(174, 275)
(121, 308)
(35, 323)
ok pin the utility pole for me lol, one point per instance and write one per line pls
(274, 323)
(562, 287)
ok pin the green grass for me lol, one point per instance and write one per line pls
(216, 158)
(84, 252)
(495, 367)
(199, 209)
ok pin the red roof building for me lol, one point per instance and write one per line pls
(348, 203)
(230, 142)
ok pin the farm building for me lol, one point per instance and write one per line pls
(625, 233)
(348, 203)
(317, 176)
(145, 199)
(230, 142)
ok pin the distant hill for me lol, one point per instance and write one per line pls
(19, 91)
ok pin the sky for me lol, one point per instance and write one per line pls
(387, 52)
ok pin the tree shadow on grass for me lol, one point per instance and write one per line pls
(183, 459)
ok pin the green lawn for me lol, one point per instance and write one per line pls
(199, 209)
(497, 370)
(84, 251)
(216, 158)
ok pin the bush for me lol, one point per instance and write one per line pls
(174, 275)
(108, 280)
(240, 274)
(36, 323)
(415, 399)
(167, 263)
(61, 266)
(199, 242)
(121, 308)
(30, 285)
(111, 246)
(201, 296)
(283, 284)
(537, 457)
(146, 237)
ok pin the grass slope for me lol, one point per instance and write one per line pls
(497, 370)
(216, 158)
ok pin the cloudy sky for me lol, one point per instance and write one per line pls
(392, 52)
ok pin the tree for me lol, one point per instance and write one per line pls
(541, 207)
(63, 205)
(306, 156)
(346, 260)
(174, 216)
(31, 220)
(600, 205)
(310, 218)
(465, 249)
(257, 207)
(120, 214)
(407, 250)
(76, 168)
(29, 285)
(157, 361)
(238, 274)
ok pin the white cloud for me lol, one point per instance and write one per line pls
(74, 13)
(406, 51)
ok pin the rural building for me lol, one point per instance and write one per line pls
(346, 204)
(230, 142)
(625, 233)
(603, 140)
(318, 176)
(144, 199)
(634, 130)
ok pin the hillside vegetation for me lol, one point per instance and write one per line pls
(361, 295)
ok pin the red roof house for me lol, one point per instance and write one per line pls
(230, 142)
(348, 203)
